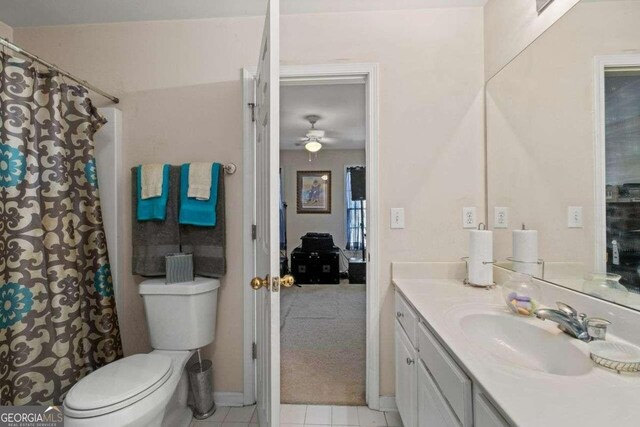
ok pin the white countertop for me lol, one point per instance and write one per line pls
(529, 398)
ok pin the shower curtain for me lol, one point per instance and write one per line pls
(57, 310)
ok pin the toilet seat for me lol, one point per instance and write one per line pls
(118, 385)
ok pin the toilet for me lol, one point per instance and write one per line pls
(151, 390)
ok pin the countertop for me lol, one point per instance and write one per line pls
(528, 398)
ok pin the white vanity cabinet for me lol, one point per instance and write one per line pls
(431, 388)
(433, 409)
(406, 378)
(485, 414)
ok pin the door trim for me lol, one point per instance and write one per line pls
(600, 177)
(366, 73)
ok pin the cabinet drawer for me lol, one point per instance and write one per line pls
(433, 409)
(407, 318)
(451, 380)
(485, 414)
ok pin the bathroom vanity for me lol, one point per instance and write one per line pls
(463, 359)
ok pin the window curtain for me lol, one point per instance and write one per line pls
(283, 217)
(354, 235)
(57, 310)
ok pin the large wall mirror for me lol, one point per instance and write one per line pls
(563, 153)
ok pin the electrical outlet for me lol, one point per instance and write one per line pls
(500, 217)
(469, 218)
(397, 217)
(574, 217)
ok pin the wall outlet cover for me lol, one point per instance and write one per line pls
(469, 217)
(500, 217)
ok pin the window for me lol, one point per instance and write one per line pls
(356, 214)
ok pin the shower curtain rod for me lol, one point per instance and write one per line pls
(7, 43)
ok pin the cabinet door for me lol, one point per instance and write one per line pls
(433, 409)
(406, 380)
(485, 415)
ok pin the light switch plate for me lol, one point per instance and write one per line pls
(397, 218)
(574, 214)
(469, 217)
(500, 217)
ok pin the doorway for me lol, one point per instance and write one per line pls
(365, 75)
(323, 243)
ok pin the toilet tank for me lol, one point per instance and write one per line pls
(180, 316)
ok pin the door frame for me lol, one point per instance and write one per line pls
(601, 63)
(367, 74)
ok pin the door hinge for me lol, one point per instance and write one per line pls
(252, 105)
(254, 351)
(254, 231)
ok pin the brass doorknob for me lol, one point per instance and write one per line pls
(287, 281)
(257, 283)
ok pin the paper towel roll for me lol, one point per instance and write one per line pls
(525, 250)
(480, 252)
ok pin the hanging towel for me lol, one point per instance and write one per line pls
(200, 180)
(198, 212)
(151, 180)
(207, 244)
(154, 208)
(153, 240)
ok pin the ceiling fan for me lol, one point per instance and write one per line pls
(314, 139)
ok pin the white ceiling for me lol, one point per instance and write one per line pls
(30, 13)
(341, 108)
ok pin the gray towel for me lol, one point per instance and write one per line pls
(207, 244)
(153, 240)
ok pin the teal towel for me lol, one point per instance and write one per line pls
(154, 208)
(194, 211)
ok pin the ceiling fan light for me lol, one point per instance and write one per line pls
(313, 146)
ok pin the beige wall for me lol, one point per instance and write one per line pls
(335, 161)
(540, 128)
(180, 90)
(510, 25)
(6, 32)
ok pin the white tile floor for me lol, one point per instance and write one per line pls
(302, 416)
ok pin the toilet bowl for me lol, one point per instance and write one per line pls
(150, 389)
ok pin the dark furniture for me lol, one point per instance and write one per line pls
(316, 261)
(357, 271)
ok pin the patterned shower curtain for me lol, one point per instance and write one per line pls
(57, 310)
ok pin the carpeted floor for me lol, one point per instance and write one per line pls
(323, 344)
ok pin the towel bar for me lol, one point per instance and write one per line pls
(230, 168)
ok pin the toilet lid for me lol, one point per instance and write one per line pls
(119, 384)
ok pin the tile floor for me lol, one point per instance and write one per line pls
(304, 415)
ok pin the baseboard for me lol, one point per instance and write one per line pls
(388, 403)
(224, 398)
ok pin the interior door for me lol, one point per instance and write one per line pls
(267, 281)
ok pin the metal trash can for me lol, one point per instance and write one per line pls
(201, 380)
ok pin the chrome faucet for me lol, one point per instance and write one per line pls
(569, 321)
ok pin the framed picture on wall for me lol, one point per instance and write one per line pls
(314, 192)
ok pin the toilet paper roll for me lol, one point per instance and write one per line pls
(480, 252)
(525, 250)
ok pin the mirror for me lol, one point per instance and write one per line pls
(563, 153)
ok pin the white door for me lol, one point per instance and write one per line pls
(267, 260)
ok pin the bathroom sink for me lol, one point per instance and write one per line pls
(523, 343)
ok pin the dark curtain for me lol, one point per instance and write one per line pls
(355, 215)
